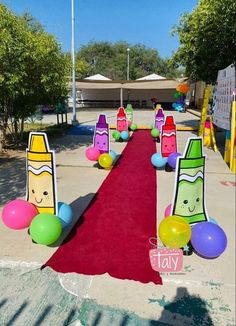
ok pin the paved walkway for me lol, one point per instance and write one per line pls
(202, 294)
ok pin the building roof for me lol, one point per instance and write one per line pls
(97, 77)
(151, 77)
(131, 84)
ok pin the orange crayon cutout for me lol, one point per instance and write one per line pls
(41, 176)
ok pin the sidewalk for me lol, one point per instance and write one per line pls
(202, 294)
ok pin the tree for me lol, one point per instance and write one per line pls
(111, 60)
(33, 70)
(207, 39)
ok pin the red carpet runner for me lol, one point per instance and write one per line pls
(115, 229)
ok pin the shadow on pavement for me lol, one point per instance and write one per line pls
(185, 308)
(12, 179)
(71, 142)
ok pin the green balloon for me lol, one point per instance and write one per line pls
(116, 135)
(155, 132)
(133, 127)
(45, 228)
(176, 95)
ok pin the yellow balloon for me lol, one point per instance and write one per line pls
(105, 160)
(174, 232)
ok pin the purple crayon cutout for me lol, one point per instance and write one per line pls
(101, 135)
(159, 119)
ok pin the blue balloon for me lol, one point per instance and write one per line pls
(212, 220)
(113, 155)
(124, 135)
(208, 239)
(158, 161)
(174, 105)
(172, 159)
(65, 214)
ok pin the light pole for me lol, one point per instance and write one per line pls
(128, 63)
(74, 120)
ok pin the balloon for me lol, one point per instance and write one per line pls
(212, 220)
(155, 132)
(65, 214)
(168, 210)
(124, 135)
(105, 160)
(133, 127)
(18, 214)
(158, 161)
(172, 159)
(113, 155)
(129, 123)
(116, 135)
(174, 232)
(45, 228)
(176, 95)
(92, 153)
(208, 239)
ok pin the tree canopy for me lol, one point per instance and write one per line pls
(207, 39)
(33, 69)
(110, 59)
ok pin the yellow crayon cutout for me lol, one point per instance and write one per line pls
(41, 174)
(233, 136)
(227, 147)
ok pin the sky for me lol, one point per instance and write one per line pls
(147, 22)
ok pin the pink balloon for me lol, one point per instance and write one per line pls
(18, 214)
(168, 210)
(92, 153)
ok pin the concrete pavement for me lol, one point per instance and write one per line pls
(202, 294)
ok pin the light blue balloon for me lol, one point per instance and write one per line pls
(65, 214)
(212, 220)
(124, 135)
(113, 155)
(158, 161)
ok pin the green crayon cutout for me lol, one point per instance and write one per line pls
(189, 197)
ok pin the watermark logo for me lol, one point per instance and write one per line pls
(166, 260)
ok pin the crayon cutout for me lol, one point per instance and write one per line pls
(159, 118)
(41, 174)
(168, 137)
(101, 135)
(122, 124)
(189, 194)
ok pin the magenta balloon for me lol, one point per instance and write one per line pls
(92, 153)
(208, 239)
(172, 159)
(18, 214)
(168, 210)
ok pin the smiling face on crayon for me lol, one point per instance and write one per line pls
(101, 142)
(168, 145)
(41, 189)
(190, 198)
(122, 125)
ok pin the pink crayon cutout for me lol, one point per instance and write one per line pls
(122, 124)
(159, 119)
(168, 137)
(101, 135)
